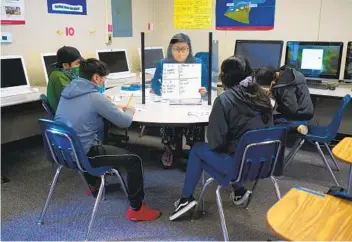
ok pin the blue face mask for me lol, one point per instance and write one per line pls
(102, 89)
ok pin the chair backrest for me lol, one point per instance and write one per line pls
(257, 155)
(46, 106)
(333, 127)
(204, 56)
(65, 147)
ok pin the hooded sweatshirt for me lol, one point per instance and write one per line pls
(83, 108)
(292, 95)
(233, 114)
(158, 75)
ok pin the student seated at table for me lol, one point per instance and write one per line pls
(243, 106)
(179, 51)
(67, 69)
(83, 108)
(290, 91)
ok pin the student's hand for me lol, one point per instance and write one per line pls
(133, 109)
(122, 106)
(202, 91)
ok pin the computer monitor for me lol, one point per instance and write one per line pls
(152, 56)
(48, 61)
(316, 60)
(260, 53)
(115, 59)
(348, 65)
(13, 73)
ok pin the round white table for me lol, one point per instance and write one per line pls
(160, 113)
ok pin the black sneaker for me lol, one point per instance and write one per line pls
(239, 198)
(182, 207)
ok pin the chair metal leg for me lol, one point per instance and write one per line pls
(299, 143)
(203, 182)
(277, 189)
(96, 205)
(210, 180)
(123, 184)
(85, 183)
(142, 132)
(332, 156)
(53, 184)
(221, 214)
(326, 162)
(250, 196)
(349, 182)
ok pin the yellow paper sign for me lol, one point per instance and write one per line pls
(193, 14)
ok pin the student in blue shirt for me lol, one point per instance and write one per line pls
(179, 51)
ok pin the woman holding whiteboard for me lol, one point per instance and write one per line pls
(179, 51)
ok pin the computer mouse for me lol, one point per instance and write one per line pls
(34, 89)
(332, 88)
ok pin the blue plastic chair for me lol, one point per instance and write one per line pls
(67, 151)
(318, 135)
(47, 107)
(256, 157)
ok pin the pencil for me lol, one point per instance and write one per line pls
(129, 100)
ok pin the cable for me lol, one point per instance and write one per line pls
(320, 13)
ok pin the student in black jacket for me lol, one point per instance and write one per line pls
(290, 91)
(241, 107)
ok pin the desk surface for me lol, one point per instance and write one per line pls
(306, 215)
(343, 151)
(23, 98)
(340, 91)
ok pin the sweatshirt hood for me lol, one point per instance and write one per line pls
(78, 87)
(289, 76)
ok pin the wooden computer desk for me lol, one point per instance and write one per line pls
(308, 215)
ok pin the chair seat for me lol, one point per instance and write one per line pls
(318, 133)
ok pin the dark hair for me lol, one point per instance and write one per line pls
(67, 54)
(234, 70)
(89, 67)
(180, 38)
(265, 75)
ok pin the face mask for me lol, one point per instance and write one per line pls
(102, 88)
(75, 71)
(72, 73)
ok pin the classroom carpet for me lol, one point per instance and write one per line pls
(70, 209)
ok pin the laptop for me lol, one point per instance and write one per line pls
(14, 78)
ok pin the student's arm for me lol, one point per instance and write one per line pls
(111, 112)
(286, 101)
(218, 127)
(60, 82)
(157, 79)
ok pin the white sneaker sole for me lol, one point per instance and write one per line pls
(242, 200)
(183, 210)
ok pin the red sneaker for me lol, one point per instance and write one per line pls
(93, 189)
(143, 214)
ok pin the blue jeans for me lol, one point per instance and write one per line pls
(201, 157)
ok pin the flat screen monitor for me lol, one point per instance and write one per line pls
(13, 72)
(152, 56)
(348, 65)
(48, 61)
(316, 60)
(260, 53)
(116, 60)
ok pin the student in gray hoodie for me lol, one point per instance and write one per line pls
(83, 108)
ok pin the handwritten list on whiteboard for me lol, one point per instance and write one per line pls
(181, 81)
(193, 14)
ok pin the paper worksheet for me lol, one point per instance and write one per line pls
(181, 81)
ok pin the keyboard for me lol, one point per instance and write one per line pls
(318, 86)
(15, 92)
(115, 76)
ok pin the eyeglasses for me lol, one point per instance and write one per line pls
(181, 50)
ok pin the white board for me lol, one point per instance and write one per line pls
(181, 81)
